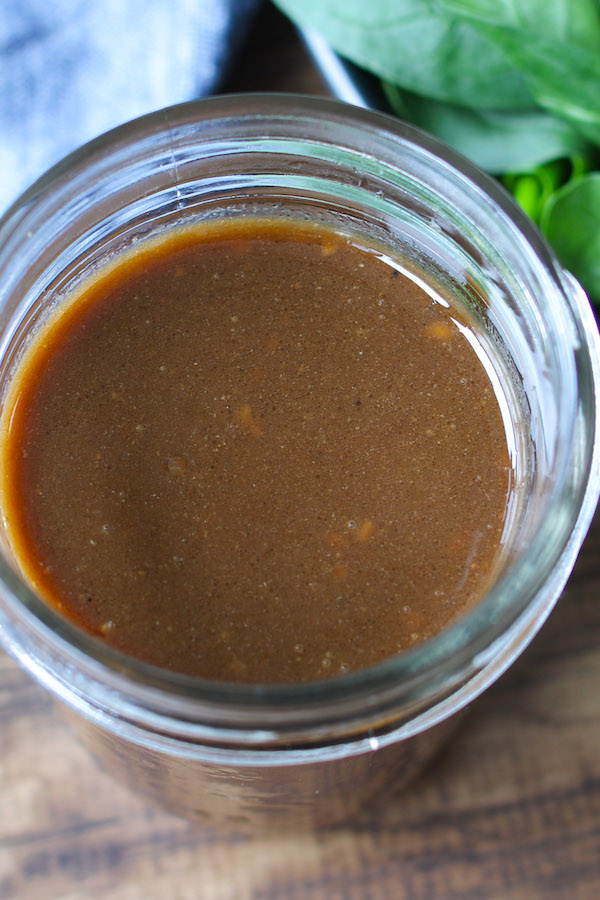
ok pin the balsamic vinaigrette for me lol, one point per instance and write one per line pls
(256, 452)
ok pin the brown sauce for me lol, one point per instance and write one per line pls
(255, 452)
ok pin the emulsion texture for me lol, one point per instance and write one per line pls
(256, 453)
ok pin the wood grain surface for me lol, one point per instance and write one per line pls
(510, 810)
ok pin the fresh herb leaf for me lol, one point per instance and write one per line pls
(497, 140)
(569, 21)
(419, 46)
(571, 222)
(532, 189)
(560, 61)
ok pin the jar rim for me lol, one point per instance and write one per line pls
(467, 643)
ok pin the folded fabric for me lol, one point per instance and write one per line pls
(71, 69)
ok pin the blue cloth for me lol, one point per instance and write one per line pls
(71, 69)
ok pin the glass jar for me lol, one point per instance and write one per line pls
(238, 755)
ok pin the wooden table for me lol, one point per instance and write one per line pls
(510, 809)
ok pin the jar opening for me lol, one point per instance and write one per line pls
(355, 170)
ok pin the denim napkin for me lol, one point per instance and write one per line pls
(71, 69)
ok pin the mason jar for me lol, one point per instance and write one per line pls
(246, 756)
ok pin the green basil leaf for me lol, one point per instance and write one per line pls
(569, 21)
(497, 140)
(560, 64)
(531, 190)
(419, 46)
(571, 222)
